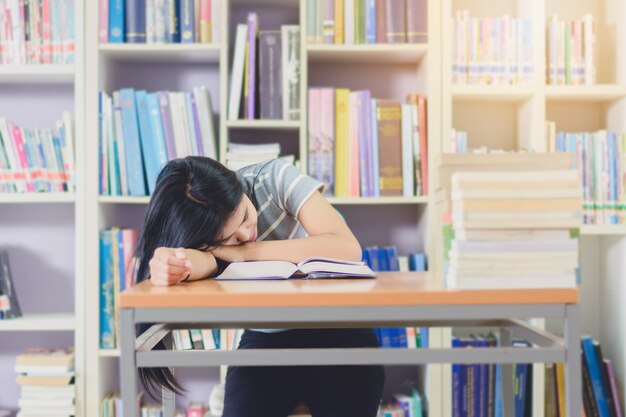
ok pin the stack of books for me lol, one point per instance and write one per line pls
(47, 380)
(239, 155)
(196, 339)
(512, 229)
(571, 51)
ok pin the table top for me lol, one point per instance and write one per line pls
(388, 289)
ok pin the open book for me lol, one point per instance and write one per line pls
(309, 268)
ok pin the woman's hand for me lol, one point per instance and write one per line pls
(234, 253)
(169, 266)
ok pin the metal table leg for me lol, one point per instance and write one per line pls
(573, 373)
(506, 340)
(128, 368)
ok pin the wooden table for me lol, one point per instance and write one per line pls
(394, 299)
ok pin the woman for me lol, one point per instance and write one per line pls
(203, 216)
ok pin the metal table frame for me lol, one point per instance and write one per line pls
(137, 351)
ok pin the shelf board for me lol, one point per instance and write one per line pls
(36, 198)
(109, 353)
(161, 53)
(40, 322)
(37, 73)
(589, 93)
(493, 93)
(110, 199)
(363, 201)
(264, 124)
(266, 3)
(376, 53)
(603, 229)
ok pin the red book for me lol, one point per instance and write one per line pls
(381, 21)
(396, 21)
(417, 21)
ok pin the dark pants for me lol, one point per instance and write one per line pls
(329, 391)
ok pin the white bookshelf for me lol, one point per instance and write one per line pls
(39, 219)
(161, 53)
(367, 54)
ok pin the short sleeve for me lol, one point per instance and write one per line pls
(291, 187)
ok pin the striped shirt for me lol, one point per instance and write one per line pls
(278, 190)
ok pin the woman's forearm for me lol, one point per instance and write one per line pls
(203, 264)
(296, 250)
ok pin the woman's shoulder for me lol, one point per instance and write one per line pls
(266, 167)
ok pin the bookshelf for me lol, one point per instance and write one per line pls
(43, 232)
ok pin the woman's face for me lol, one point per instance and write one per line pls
(241, 226)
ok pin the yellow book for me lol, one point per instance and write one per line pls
(339, 22)
(560, 384)
(341, 141)
(205, 31)
(245, 81)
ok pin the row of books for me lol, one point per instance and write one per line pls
(37, 160)
(571, 51)
(9, 303)
(37, 32)
(367, 147)
(159, 21)
(140, 132)
(196, 339)
(46, 377)
(265, 73)
(477, 388)
(111, 406)
(241, 155)
(600, 160)
(357, 22)
(492, 50)
(117, 272)
(490, 213)
(403, 405)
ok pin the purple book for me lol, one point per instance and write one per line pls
(614, 393)
(253, 27)
(168, 130)
(196, 123)
(365, 153)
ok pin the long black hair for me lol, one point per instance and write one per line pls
(192, 200)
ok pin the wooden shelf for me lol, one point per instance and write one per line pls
(493, 93)
(364, 201)
(161, 53)
(376, 53)
(37, 198)
(108, 199)
(603, 230)
(264, 124)
(40, 322)
(588, 93)
(38, 74)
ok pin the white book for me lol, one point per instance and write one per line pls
(178, 126)
(505, 270)
(528, 255)
(507, 246)
(185, 339)
(511, 234)
(530, 282)
(68, 150)
(44, 370)
(486, 263)
(236, 75)
(514, 176)
(16, 167)
(208, 340)
(114, 174)
(408, 168)
(216, 22)
(205, 116)
(252, 149)
(309, 268)
(516, 193)
(150, 21)
(290, 57)
(348, 21)
(52, 403)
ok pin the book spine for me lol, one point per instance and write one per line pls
(328, 139)
(134, 160)
(252, 65)
(390, 147)
(359, 22)
(172, 34)
(374, 146)
(311, 21)
(157, 130)
(187, 21)
(135, 21)
(417, 21)
(353, 146)
(147, 139)
(270, 74)
(116, 21)
(291, 71)
(166, 119)
(205, 114)
(348, 21)
(589, 403)
(423, 113)
(314, 125)
(205, 21)
(341, 141)
(339, 22)
(396, 21)
(596, 379)
(617, 410)
(328, 25)
(370, 21)
(103, 21)
(216, 16)
(408, 169)
(107, 334)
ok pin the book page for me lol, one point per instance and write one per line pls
(258, 270)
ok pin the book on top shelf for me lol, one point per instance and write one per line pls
(308, 268)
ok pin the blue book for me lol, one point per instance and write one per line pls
(147, 139)
(56, 143)
(483, 373)
(417, 262)
(596, 378)
(372, 256)
(498, 406)
(457, 398)
(107, 330)
(362, 108)
(135, 21)
(370, 21)
(365, 257)
(116, 21)
(466, 373)
(374, 139)
(132, 148)
(424, 336)
(172, 22)
(392, 258)
(156, 124)
(383, 259)
(187, 30)
(120, 253)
